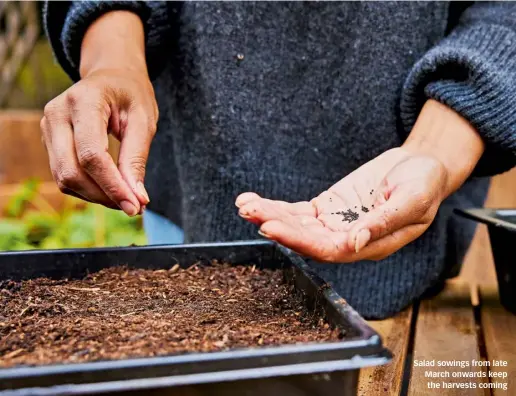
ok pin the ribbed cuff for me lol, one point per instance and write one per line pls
(473, 71)
(67, 24)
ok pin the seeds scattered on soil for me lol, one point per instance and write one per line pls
(121, 313)
(364, 209)
(348, 216)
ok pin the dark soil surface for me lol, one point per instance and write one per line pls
(119, 313)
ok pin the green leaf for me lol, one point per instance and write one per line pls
(39, 225)
(12, 232)
(19, 200)
(73, 228)
(121, 238)
(52, 242)
(22, 246)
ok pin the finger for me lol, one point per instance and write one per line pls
(309, 222)
(387, 245)
(324, 245)
(91, 143)
(134, 151)
(64, 165)
(108, 204)
(262, 210)
(321, 244)
(244, 198)
(403, 208)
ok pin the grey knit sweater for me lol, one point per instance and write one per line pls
(322, 88)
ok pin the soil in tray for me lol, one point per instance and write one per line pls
(119, 313)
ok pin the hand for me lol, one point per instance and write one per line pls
(114, 96)
(369, 214)
(383, 205)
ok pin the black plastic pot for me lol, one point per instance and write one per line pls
(501, 224)
(306, 369)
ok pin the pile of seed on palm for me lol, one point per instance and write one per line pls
(122, 313)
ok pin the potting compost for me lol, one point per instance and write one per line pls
(120, 313)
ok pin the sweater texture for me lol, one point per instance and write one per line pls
(286, 98)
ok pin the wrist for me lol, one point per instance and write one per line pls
(449, 138)
(116, 40)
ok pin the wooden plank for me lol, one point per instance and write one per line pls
(386, 380)
(446, 331)
(48, 191)
(499, 328)
(22, 153)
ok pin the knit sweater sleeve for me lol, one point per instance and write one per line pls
(473, 71)
(66, 23)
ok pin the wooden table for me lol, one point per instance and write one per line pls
(462, 323)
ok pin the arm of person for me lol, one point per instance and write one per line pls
(459, 117)
(125, 49)
(401, 190)
(445, 135)
(473, 72)
(113, 95)
(66, 24)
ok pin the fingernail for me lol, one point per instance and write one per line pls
(143, 191)
(263, 234)
(128, 208)
(142, 210)
(362, 239)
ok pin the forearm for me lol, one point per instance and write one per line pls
(443, 134)
(124, 49)
(66, 25)
(473, 71)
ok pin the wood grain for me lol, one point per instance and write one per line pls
(386, 379)
(445, 331)
(22, 153)
(47, 190)
(499, 327)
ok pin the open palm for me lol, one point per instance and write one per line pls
(369, 214)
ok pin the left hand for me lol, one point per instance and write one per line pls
(383, 205)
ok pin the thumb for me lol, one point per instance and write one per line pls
(403, 208)
(134, 152)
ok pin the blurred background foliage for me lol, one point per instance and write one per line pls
(26, 60)
(30, 222)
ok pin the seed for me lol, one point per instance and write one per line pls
(348, 216)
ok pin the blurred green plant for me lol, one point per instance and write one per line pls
(32, 223)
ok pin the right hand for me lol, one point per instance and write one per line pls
(114, 96)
